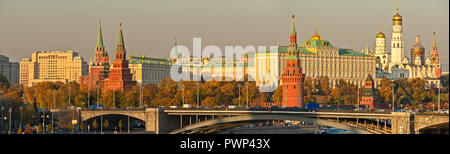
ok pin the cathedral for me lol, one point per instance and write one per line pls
(396, 64)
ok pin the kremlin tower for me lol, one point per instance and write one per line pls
(99, 69)
(434, 55)
(292, 76)
(120, 77)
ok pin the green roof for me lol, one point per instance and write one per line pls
(147, 60)
(100, 37)
(120, 42)
(316, 44)
(351, 52)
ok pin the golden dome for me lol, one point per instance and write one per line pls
(316, 36)
(380, 35)
(397, 19)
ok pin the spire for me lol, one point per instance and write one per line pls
(293, 24)
(316, 36)
(175, 54)
(100, 36)
(397, 6)
(120, 43)
(434, 44)
(292, 51)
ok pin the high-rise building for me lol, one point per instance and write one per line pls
(64, 66)
(293, 75)
(99, 68)
(9, 69)
(120, 77)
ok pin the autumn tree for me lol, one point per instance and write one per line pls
(278, 94)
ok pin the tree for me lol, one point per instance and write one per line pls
(120, 126)
(209, 101)
(106, 124)
(39, 128)
(323, 85)
(82, 127)
(19, 131)
(50, 128)
(278, 94)
(95, 125)
(384, 91)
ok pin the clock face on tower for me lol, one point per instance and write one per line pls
(433, 59)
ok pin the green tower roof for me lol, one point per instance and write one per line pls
(120, 43)
(100, 36)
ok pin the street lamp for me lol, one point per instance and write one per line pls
(357, 100)
(246, 84)
(339, 97)
(393, 96)
(239, 86)
(10, 110)
(4, 118)
(21, 109)
(182, 87)
(198, 84)
(439, 98)
(3, 108)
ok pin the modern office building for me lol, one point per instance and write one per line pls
(64, 66)
(9, 69)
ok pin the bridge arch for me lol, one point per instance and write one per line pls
(261, 117)
(92, 114)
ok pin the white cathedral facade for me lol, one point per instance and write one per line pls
(396, 64)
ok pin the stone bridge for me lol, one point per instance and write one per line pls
(162, 121)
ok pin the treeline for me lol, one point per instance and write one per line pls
(56, 95)
(411, 93)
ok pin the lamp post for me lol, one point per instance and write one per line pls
(198, 84)
(10, 110)
(3, 108)
(114, 98)
(393, 96)
(439, 98)
(182, 87)
(69, 96)
(4, 118)
(339, 97)
(89, 98)
(239, 86)
(357, 100)
(98, 89)
(20, 126)
(246, 84)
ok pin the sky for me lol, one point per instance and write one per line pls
(149, 27)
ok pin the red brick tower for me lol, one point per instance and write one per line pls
(369, 96)
(120, 77)
(434, 54)
(292, 76)
(99, 69)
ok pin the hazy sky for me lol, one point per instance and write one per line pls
(150, 26)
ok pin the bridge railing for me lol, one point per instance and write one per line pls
(115, 109)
